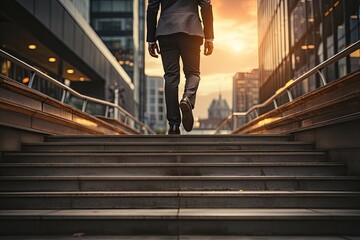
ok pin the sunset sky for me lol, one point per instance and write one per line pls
(236, 49)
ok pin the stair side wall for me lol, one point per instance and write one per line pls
(342, 141)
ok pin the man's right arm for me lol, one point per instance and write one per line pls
(208, 20)
(152, 12)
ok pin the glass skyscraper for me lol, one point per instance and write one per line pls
(113, 22)
(120, 24)
(296, 35)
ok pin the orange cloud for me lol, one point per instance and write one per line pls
(243, 11)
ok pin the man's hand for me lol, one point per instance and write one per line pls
(153, 49)
(208, 48)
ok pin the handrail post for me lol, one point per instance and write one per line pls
(275, 104)
(289, 95)
(63, 95)
(32, 78)
(84, 105)
(116, 102)
(107, 111)
(322, 77)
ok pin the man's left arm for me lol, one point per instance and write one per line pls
(152, 12)
(151, 17)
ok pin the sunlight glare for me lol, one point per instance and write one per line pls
(237, 46)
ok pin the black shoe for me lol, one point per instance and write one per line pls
(187, 115)
(174, 129)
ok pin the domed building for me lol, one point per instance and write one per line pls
(219, 110)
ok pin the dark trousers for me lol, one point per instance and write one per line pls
(173, 47)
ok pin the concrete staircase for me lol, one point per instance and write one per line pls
(176, 186)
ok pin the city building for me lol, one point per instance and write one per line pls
(155, 115)
(218, 110)
(245, 90)
(54, 37)
(296, 35)
(121, 26)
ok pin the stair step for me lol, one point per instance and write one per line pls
(182, 199)
(175, 237)
(166, 146)
(174, 169)
(184, 183)
(176, 186)
(215, 157)
(182, 221)
(168, 138)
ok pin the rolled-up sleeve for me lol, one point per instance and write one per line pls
(152, 12)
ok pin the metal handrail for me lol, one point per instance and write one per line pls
(316, 70)
(65, 90)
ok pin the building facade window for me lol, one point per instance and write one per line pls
(112, 5)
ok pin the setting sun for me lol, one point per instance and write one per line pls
(236, 46)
